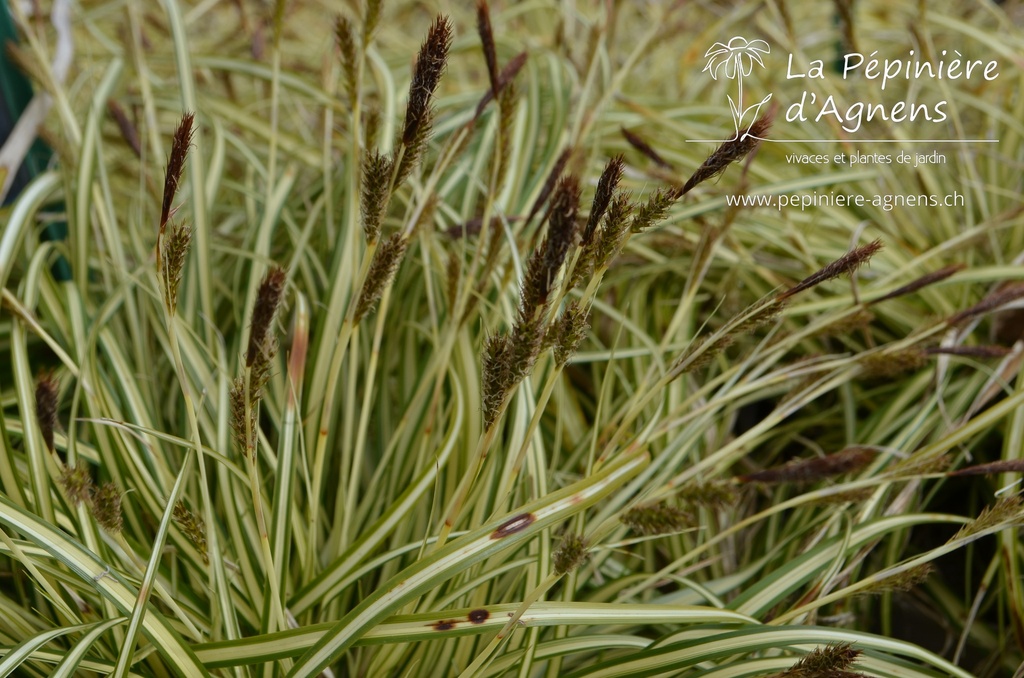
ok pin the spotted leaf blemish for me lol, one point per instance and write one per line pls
(513, 525)
(444, 625)
(478, 616)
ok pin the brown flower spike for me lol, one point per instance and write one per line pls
(176, 164)
(430, 65)
(268, 300)
(46, 406)
(382, 271)
(923, 281)
(831, 661)
(106, 507)
(658, 518)
(809, 470)
(640, 144)
(483, 27)
(844, 265)
(729, 152)
(571, 553)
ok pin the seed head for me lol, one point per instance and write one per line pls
(47, 389)
(106, 507)
(382, 271)
(569, 331)
(507, 75)
(1004, 466)
(653, 211)
(729, 152)
(180, 144)
(831, 661)
(377, 169)
(345, 36)
(430, 64)
(606, 186)
(262, 345)
(1007, 510)
(483, 27)
(76, 483)
(498, 378)
(192, 527)
(711, 494)
(549, 183)
(658, 518)
(901, 581)
(993, 301)
(923, 281)
(615, 231)
(571, 553)
(844, 265)
(638, 142)
(129, 132)
(809, 470)
(890, 364)
(173, 253)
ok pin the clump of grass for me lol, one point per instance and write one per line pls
(351, 337)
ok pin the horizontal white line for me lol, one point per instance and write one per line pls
(856, 141)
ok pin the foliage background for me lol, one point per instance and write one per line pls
(752, 576)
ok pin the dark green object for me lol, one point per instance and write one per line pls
(15, 95)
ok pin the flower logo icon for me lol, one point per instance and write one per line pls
(736, 60)
(736, 57)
